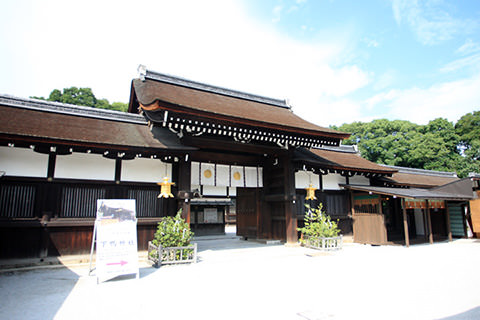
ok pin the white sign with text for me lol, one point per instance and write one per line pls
(116, 239)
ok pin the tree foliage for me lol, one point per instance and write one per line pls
(173, 232)
(438, 145)
(318, 225)
(468, 130)
(83, 97)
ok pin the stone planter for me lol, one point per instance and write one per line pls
(327, 244)
(171, 255)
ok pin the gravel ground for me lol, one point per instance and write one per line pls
(237, 279)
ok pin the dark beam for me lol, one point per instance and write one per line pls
(183, 170)
(290, 208)
(405, 224)
(429, 223)
(219, 144)
(447, 221)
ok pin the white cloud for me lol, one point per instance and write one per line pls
(429, 21)
(470, 58)
(471, 62)
(212, 41)
(277, 13)
(468, 47)
(385, 80)
(448, 100)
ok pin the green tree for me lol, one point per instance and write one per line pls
(83, 97)
(74, 95)
(402, 143)
(119, 106)
(468, 130)
(384, 141)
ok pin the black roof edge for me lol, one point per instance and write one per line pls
(157, 76)
(70, 109)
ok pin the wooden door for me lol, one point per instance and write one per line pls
(369, 228)
(247, 213)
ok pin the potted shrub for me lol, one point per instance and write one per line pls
(171, 242)
(320, 232)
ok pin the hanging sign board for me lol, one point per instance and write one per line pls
(210, 215)
(116, 239)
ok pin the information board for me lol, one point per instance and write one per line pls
(210, 215)
(116, 239)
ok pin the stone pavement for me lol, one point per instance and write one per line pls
(236, 279)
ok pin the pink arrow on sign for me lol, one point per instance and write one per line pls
(121, 263)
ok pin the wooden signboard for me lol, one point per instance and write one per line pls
(475, 214)
(116, 239)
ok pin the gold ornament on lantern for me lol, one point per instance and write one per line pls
(165, 188)
(310, 193)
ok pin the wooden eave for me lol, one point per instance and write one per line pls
(177, 103)
(201, 115)
(25, 127)
(343, 163)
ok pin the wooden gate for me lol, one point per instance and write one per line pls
(247, 212)
(369, 228)
(368, 220)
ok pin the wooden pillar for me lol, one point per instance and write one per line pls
(447, 221)
(184, 168)
(352, 212)
(405, 223)
(429, 222)
(118, 170)
(258, 213)
(290, 197)
(52, 159)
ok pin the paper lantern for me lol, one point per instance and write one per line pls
(165, 188)
(310, 193)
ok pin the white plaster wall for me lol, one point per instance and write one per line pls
(22, 162)
(304, 178)
(225, 175)
(331, 181)
(145, 170)
(214, 191)
(359, 180)
(419, 226)
(84, 166)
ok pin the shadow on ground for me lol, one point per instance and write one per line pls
(471, 314)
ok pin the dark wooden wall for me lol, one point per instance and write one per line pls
(40, 218)
(279, 206)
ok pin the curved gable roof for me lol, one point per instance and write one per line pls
(340, 160)
(158, 91)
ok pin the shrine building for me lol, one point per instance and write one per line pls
(228, 156)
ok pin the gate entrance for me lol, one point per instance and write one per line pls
(248, 212)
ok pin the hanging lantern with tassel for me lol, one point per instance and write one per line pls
(310, 193)
(165, 188)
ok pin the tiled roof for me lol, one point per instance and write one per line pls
(419, 178)
(156, 90)
(74, 110)
(342, 158)
(43, 121)
(415, 193)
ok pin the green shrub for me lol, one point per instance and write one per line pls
(318, 225)
(173, 232)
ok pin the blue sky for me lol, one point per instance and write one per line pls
(335, 61)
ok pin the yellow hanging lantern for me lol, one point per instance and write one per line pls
(310, 193)
(165, 188)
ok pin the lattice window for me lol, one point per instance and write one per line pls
(336, 204)
(148, 205)
(17, 201)
(80, 202)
